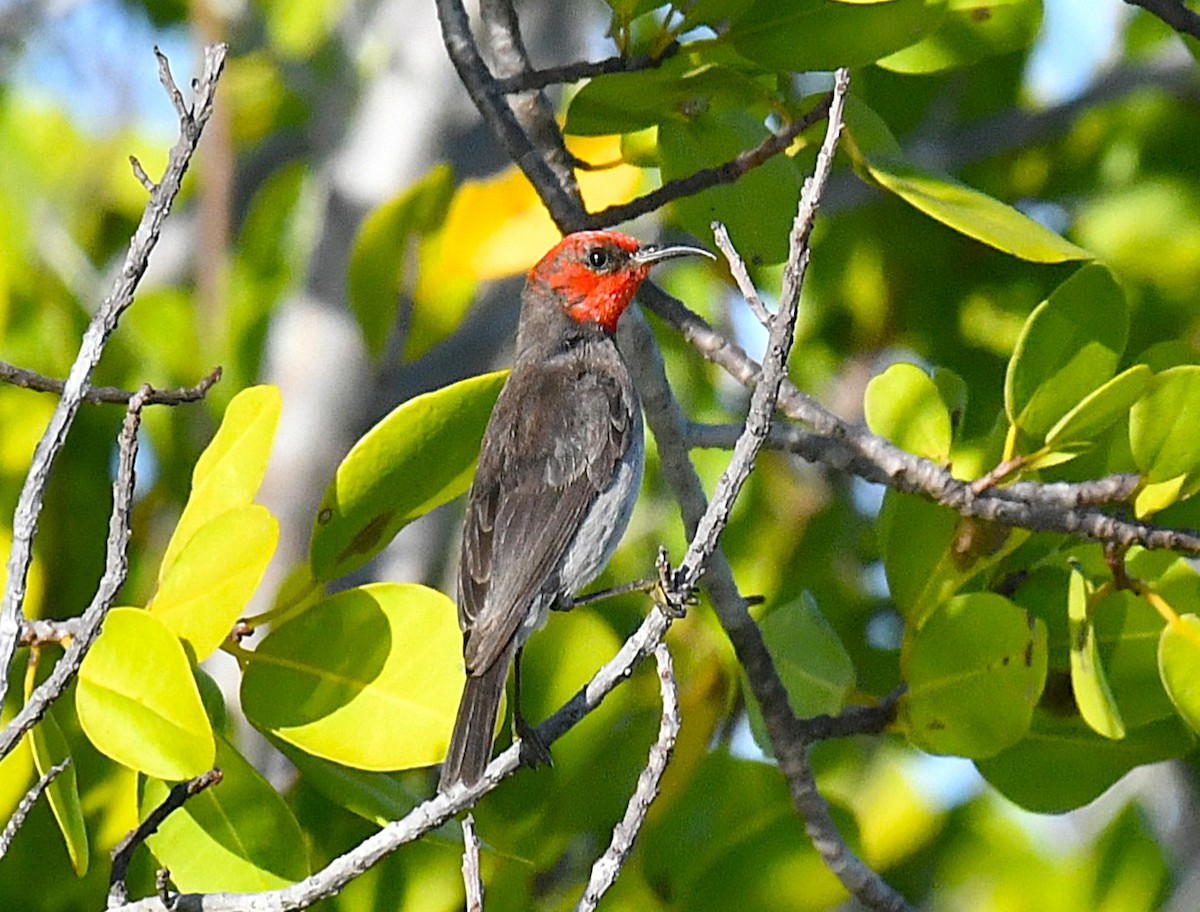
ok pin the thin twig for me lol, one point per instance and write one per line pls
(700, 180)
(27, 803)
(741, 275)
(122, 852)
(1173, 13)
(472, 878)
(102, 325)
(581, 70)
(608, 866)
(116, 566)
(31, 380)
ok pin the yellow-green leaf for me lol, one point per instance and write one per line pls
(230, 471)
(1101, 408)
(138, 702)
(904, 405)
(50, 748)
(972, 30)
(369, 678)
(1179, 666)
(211, 580)
(237, 835)
(1093, 696)
(1162, 425)
(418, 457)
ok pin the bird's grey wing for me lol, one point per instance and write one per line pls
(535, 483)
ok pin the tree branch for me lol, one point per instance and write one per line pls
(26, 805)
(726, 173)
(608, 866)
(577, 72)
(116, 566)
(122, 852)
(31, 380)
(472, 880)
(102, 325)
(1173, 13)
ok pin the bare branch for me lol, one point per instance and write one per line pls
(122, 852)
(102, 325)
(472, 879)
(741, 275)
(577, 72)
(26, 805)
(31, 380)
(1173, 13)
(39, 632)
(726, 173)
(140, 173)
(608, 866)
(116, 566)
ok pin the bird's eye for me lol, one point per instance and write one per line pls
(597, 258)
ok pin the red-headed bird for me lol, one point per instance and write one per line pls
(558, 474)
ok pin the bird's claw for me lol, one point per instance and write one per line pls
(664, 592)
(534, 751)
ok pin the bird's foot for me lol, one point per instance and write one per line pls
(665, 592)
(534, 751)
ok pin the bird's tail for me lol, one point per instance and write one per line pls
(471, 743)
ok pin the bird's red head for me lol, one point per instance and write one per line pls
(595, 274)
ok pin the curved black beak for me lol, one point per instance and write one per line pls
(652, 253)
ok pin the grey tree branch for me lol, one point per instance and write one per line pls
(1173, 13)
(26, 805)
(432, 813)
(472, 879)
(29, 504)
(577, 72)
(31, 380)
(608, 866)
(116, 566)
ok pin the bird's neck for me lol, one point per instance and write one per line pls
(546, 330)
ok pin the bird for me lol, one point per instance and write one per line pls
(559, 470)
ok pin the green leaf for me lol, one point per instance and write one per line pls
(1162, 425)
(974, 670)
(1128, 630)
(420, 456)
(237, 835)
(1093, 696)
(821, 35)
(231, 469)
(326, 680)
(380, 258)
(212, 579)
(1069, 347)
(1101, 408)
(703, 77)
(1062, 764)
(758, 209)
(1179, 666)
(904, 405)
(50, 748)
(378, 797)
(877, 157)
(812, 662)
(137, 700)
(972, 30)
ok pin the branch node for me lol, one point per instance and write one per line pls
(140, 173)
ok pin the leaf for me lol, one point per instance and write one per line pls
(878, 158)
(1162, 425)
(1179, 666)
(368, 678)
(237, 835)
(1100, 408)
(420, 456)
(1069, 347)
(758, 209)
(379, 257)
(137, 700)
(812, 662)
(231, 469)
(819, 35)
(904, 405)
(213, 577)
(975, 671)
(1128, 630)
(378, 797)
(1062, 764)
(1093, 696)
(50, 748)
(972, 30)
